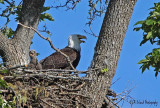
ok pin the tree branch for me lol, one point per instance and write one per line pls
(108, 100)
(45, 76)
(67, 4)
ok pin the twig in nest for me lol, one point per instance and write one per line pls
(76, 94)
(70, 90)
(50, 42)
(44, 76)
(81, 85)
(52, 106)
(58, 70)
(6, 91)
(18, 66)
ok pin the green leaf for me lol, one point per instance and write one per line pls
(137, 28)
(37, 54)
(18, 12)
(104, 70)
(4, 71)
(139, 22)
(2, 1)
(143, 69)
(150, 22)
(48, 32)
(142, 61)
(45, 9)
(149, 35)
(46, 16)
(156, 74)
(3, 84)
(157, 13)
(8, 32)
(143, 41)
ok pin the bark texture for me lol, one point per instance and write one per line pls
(15, 51)
(108, 48)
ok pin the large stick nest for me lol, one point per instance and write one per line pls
(52, 88)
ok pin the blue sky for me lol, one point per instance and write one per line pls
(73, 22)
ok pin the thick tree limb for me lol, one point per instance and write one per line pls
(108, 47)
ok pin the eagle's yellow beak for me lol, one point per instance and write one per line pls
(82, 37)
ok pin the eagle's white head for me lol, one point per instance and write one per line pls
(74, 41)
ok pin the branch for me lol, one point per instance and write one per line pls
(70, 90)
(108, 100)
(51, 105)
(75, 94)
(15, 67)
(6, 91)
(68, 2)
(50, 42)
(8, 2)
(92, 33)
(57, 70)
(125, 94)
(44, 76)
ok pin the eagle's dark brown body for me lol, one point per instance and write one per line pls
(58, 61)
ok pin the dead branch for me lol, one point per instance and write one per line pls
(53, 106)
(76, 94)
(92, 33)
(50, 42)
(108, 100)
(115, 81)
(15, 67)
(44, 76)
(67, 4)
(57, 70)
(125, 94)
(70, 90)
(80, 86)
(6, 91)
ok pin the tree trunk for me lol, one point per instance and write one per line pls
(108, 48)
(16, 50)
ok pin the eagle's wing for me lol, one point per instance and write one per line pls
(58, 61)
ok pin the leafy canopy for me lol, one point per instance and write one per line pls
(151, 33)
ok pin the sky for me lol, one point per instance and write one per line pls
(128, 72)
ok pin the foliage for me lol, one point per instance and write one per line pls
(3, 84)
(14, 10)
(8, 32)
(151, 33)
(4, 103)
(151, 26)
(104, 70)
(1, 1)
(97, 8)
(9, 100)
(46, 15)
(151, 59)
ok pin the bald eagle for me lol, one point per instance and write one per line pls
(58, 61)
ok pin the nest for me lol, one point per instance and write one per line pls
(52, 88)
